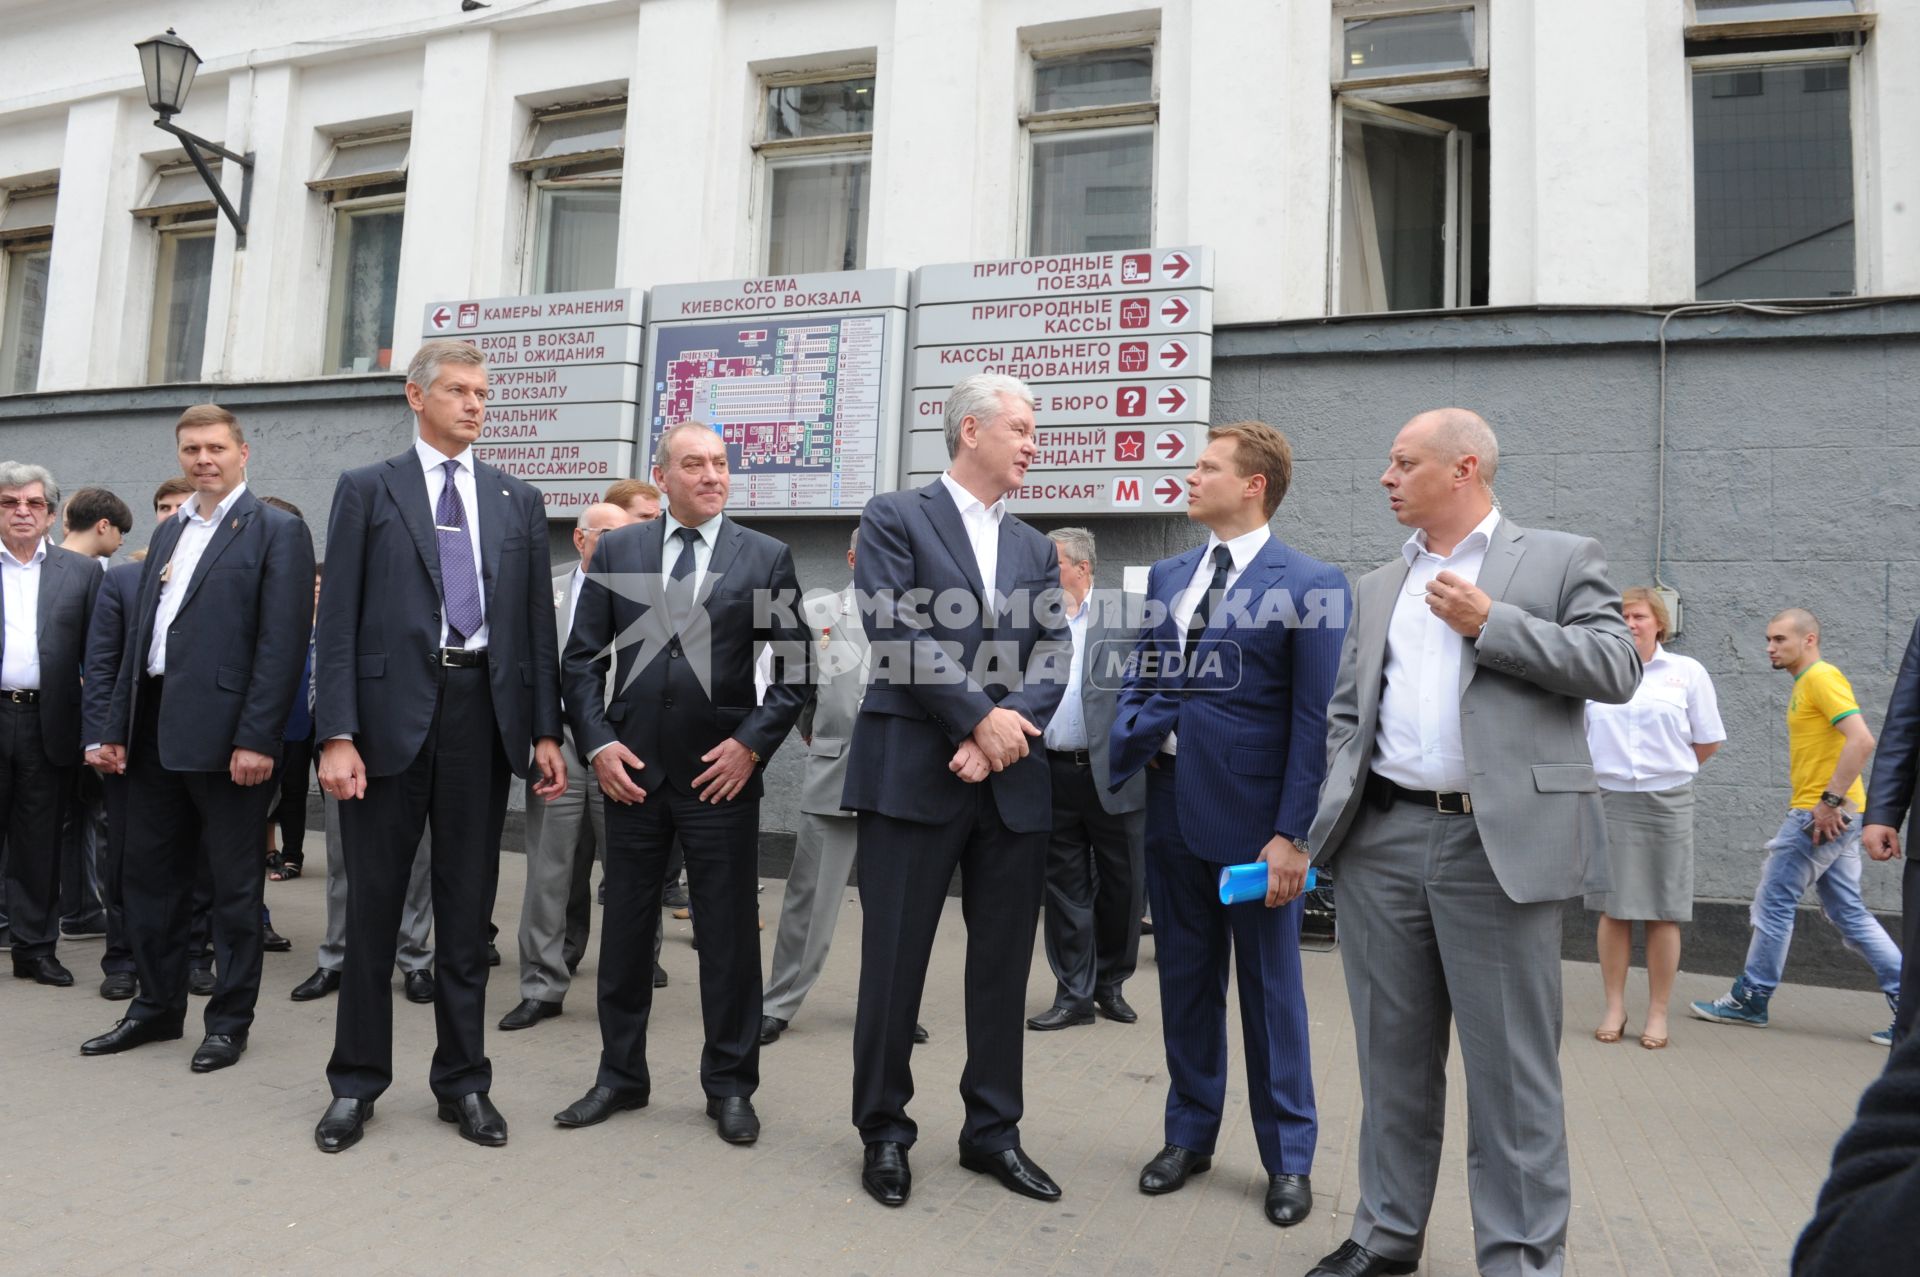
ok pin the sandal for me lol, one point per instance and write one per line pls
(1610, 1035)
(1652, 1043)
(282, 870)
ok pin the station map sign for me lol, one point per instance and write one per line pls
(563, 370)
(802, 375)
(1118, 348)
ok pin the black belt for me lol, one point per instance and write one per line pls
(463, 658)
(20, 698)
(1447, 802)
(1078, 757)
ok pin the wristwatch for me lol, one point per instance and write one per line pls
(1832, 799)
(754, 754)
(1300, 845)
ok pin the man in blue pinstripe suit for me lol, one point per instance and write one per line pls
(1224, 703)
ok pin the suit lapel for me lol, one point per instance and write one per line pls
(53, 575)
(1378, 596)
(496, 512)
(236, 519)
(407, 484)
(1004, 566)
(726, 547)
(1496, 574)
(1269, 566)
(945, 517)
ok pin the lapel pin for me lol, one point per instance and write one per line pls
(236, 525)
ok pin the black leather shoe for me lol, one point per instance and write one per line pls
(273, 942)
(119, 986)
(771, 1027)
(479, 1120)
(493, 954)
(128, 1034)
(1016, 1172)
(1355, 1260)
(739, 1124)
(419, 986)
(1169, 1169)
(1289, 1199)
(318, 985)
(659, 976)
(1059, 1018)
(529, 1013)
(341, 1125)
(886, 1176)
(597, 1105)
(201, 981)
(1115, 1007)
(218, 1051)
(43, 970)
(920, 1034)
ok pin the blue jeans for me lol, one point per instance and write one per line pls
(1833, 870)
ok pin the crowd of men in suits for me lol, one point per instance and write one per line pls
(967, 702)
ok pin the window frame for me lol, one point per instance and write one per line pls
(1422, 84)
(337, 210)
(1859, 21)
(1859, 123)
(768, 153)
(20, 243)
(1457, 235)
(1036, 124)
(168, 229)
(377, 177)
(601, 168)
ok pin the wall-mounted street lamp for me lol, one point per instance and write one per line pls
(169, 64)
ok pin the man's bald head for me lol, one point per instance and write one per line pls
(597, 518)
(1455, 433)
(1804, 623)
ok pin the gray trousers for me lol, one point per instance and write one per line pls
(823, 854)
(1429, 937)
(416, 917)
(555, 912)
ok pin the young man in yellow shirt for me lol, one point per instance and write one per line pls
(1819, 844)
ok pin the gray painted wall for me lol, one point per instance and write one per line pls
(1793, 477)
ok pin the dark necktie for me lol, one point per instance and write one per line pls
(459, 583)
(680, 587)
(1222, 564)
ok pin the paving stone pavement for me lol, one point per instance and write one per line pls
(1699, 1160)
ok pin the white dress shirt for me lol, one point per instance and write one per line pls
(575, 584)
(1417, 744)
(1646, 745)
(20, 668)
(982, 522)
(431, 460)
(1067, 729)
(1242, 548)
(195, 535)
(672, 548)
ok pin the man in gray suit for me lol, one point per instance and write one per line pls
(1459, 813)
(1097, 853)
(554, 912)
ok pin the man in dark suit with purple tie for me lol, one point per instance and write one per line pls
(1225, 706)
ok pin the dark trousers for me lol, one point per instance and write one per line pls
(80, 849)
(904, 871)
(722, 847)
(175, 819)
(118, 955)
(1197, 939)
(1095, 881)
(290, 815)
(30, 799)
(458, 784)
(1909, 951)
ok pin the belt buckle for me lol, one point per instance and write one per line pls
(450, 657)
(1464, 803)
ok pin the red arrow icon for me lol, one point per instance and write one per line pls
(1168, 490)
(1170, 445)
(441, 317)
(1176, 265)
(1171, 400)
(1173, 354)
(1175, 310)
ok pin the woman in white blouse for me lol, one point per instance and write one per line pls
(1646, 754)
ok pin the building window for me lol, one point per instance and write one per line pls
(26, 254)
(365, 180)
(1411, 158)
(1090, 139)
(182, 216)
(1774, 164)
(573, 160)
(816, 162)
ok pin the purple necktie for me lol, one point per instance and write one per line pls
(459, 583)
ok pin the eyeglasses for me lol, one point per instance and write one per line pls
(36, 504)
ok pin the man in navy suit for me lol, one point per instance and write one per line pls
(969, 657)
(678, 745)
(435, 678)
(45, 606)
(208, 672)
(1225, 705)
